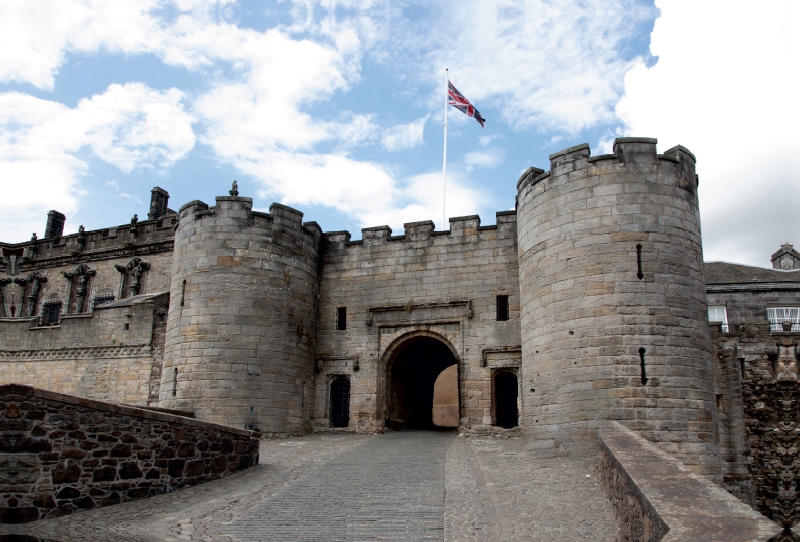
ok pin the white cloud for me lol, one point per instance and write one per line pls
(404, 136)
(130, 126)
(538, 64)
(421, 199)
(489, 158)
(723, 87)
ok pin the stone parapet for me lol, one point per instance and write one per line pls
(656, 498)
(60, 453)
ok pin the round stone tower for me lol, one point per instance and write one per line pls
(242, 322)
(613, 302)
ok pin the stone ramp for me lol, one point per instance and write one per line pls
(406, 485)
(497, 492)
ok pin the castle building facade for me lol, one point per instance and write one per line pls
(590, 301)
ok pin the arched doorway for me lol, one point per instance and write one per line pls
(506, 392)
(340, 402)
(413, 375)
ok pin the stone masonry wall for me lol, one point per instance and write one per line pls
(241, 331)
(61, 453)
(112, 354)
(614, 321)
(422, 284)
(655, 497)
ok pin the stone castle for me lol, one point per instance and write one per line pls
(589, 302)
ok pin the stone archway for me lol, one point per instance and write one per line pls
(414, 364)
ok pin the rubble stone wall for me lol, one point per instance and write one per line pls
(60, 453)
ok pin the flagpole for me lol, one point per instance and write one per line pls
(444, 158)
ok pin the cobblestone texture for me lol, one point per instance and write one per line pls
(365, 487)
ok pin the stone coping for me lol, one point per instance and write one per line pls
(693, 508)
(123, 410)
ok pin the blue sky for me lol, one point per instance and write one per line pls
(335, 106)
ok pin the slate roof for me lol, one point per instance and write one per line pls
(733, 273)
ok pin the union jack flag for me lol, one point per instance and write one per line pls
(457, 100)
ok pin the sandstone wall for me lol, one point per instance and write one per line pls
(111, 354)
(424, 283)
(241, 331)
(61, 453)
(611, 281)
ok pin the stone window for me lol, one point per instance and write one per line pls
(783, 318)
(718, 314)
(103, 297)
(51, 313)
(341, 318)
(502, 307)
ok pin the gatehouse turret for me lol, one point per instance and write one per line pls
(241, 331)
(613, 305)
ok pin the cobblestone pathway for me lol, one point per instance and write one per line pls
(365, 487)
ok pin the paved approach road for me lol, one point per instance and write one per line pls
(407, 485)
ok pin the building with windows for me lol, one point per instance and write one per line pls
(588, 302)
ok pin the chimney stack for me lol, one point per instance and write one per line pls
(159, 198)
(55, 224)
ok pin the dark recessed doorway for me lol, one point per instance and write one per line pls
(506, 391)
(412, 378)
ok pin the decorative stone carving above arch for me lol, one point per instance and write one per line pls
(78, 286)
(132, 275)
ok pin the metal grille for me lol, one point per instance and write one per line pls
(102, 300)
(51, 312)
(340, 402)
(777, 316)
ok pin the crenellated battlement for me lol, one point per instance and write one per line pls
(462, 229)
(628, 152)
(239, 210)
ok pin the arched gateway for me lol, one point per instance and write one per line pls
(421, 389)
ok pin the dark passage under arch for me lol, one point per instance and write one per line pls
(413, 375)
(505, 399)
(340, 402)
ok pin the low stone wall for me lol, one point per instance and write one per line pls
(59, 453)
(656, 498)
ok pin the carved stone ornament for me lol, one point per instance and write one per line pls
(786, 366)
(79, 280)
(234, 191)
(133, 271)
(34, 281)
(3, 284)
(32, 246)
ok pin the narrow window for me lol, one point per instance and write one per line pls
(341, 318)
(340, 402)
(639, 273)
(741, 367)
(718, 314)
(502, 307)
(642, 352)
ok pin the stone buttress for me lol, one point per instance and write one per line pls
(613, 304)
(241, 331)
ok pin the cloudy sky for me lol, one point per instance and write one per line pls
(336, 106)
